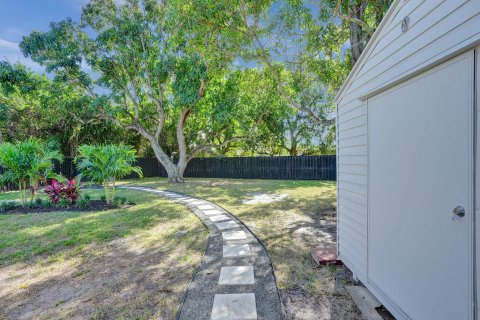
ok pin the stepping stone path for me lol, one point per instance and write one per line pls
(235, 280)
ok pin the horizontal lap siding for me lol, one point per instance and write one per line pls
(436, 30)
(352, 184)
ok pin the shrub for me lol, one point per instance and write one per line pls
(27, 164)
(63, 203)
(7, 205)
(47, 204)
(87, 197)
(106, 164)
(83, 203)
(57, 191)
(31, 205)
(70, 191)
(103, 197)
(38, 201)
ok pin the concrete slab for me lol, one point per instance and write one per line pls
(236, 250)
(212, 212)
(240, 275)
(365, 301)
(198, 202)
(205, 206)
(226, 225)
(221, 217)
(234, 235)
(234, 307)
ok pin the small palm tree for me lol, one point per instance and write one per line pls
(27, 164)
(106, 164)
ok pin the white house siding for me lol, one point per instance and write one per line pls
(437, 30)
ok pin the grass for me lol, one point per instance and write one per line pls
(304, 219)
(123, 263)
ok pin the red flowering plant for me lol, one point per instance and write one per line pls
(70, 191)
(53, 190)
(57, 190)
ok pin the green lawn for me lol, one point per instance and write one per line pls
(121, 261)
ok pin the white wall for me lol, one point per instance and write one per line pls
(438, 30)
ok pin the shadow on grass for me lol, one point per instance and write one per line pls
(118, 280)
(31, 236)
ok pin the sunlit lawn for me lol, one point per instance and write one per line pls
(123, 263)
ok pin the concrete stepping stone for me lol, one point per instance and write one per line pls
(234, 307)
(240, 275)
(221, 217)
(226, 225)
(205, 206)
(232, 293)
(212, 212)
(198, 202)
(236, 250)
(234, 235)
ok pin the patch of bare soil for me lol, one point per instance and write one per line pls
(258, 197)
(301, 305)
(122, 279)
(94, 205)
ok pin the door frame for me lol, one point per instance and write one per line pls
(475, 192)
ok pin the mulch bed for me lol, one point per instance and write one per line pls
(95, 205)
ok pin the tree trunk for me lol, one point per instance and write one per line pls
(358, 37)
(174, 173)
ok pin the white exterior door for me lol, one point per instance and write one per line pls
(420, 254)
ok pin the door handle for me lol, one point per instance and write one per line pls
(459, 211)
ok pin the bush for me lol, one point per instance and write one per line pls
(106, 164)
(31, 205)
(38, 201)
(87, 197)
(57, 191)
(83, 203)
(47, 204)
(7, 205)
(27, 164)
(63, 203)
(103, 197)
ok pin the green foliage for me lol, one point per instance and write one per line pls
(63, 203)
(120, 201)
(83, 203)
(47, 204)
(7, 205)
(27, 163)
(106, 164)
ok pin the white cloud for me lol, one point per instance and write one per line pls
(11, 52)
(8, 45)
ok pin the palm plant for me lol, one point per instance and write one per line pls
(27, 164)
(106, 164)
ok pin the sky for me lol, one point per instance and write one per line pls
(20, 17)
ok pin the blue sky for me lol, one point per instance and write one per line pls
(20, 17)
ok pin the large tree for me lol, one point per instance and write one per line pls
(321, 39)
(153, 68)
(33, 105)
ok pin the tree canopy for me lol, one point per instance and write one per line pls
(178, 79)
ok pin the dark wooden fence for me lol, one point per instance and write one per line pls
(288, 168)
